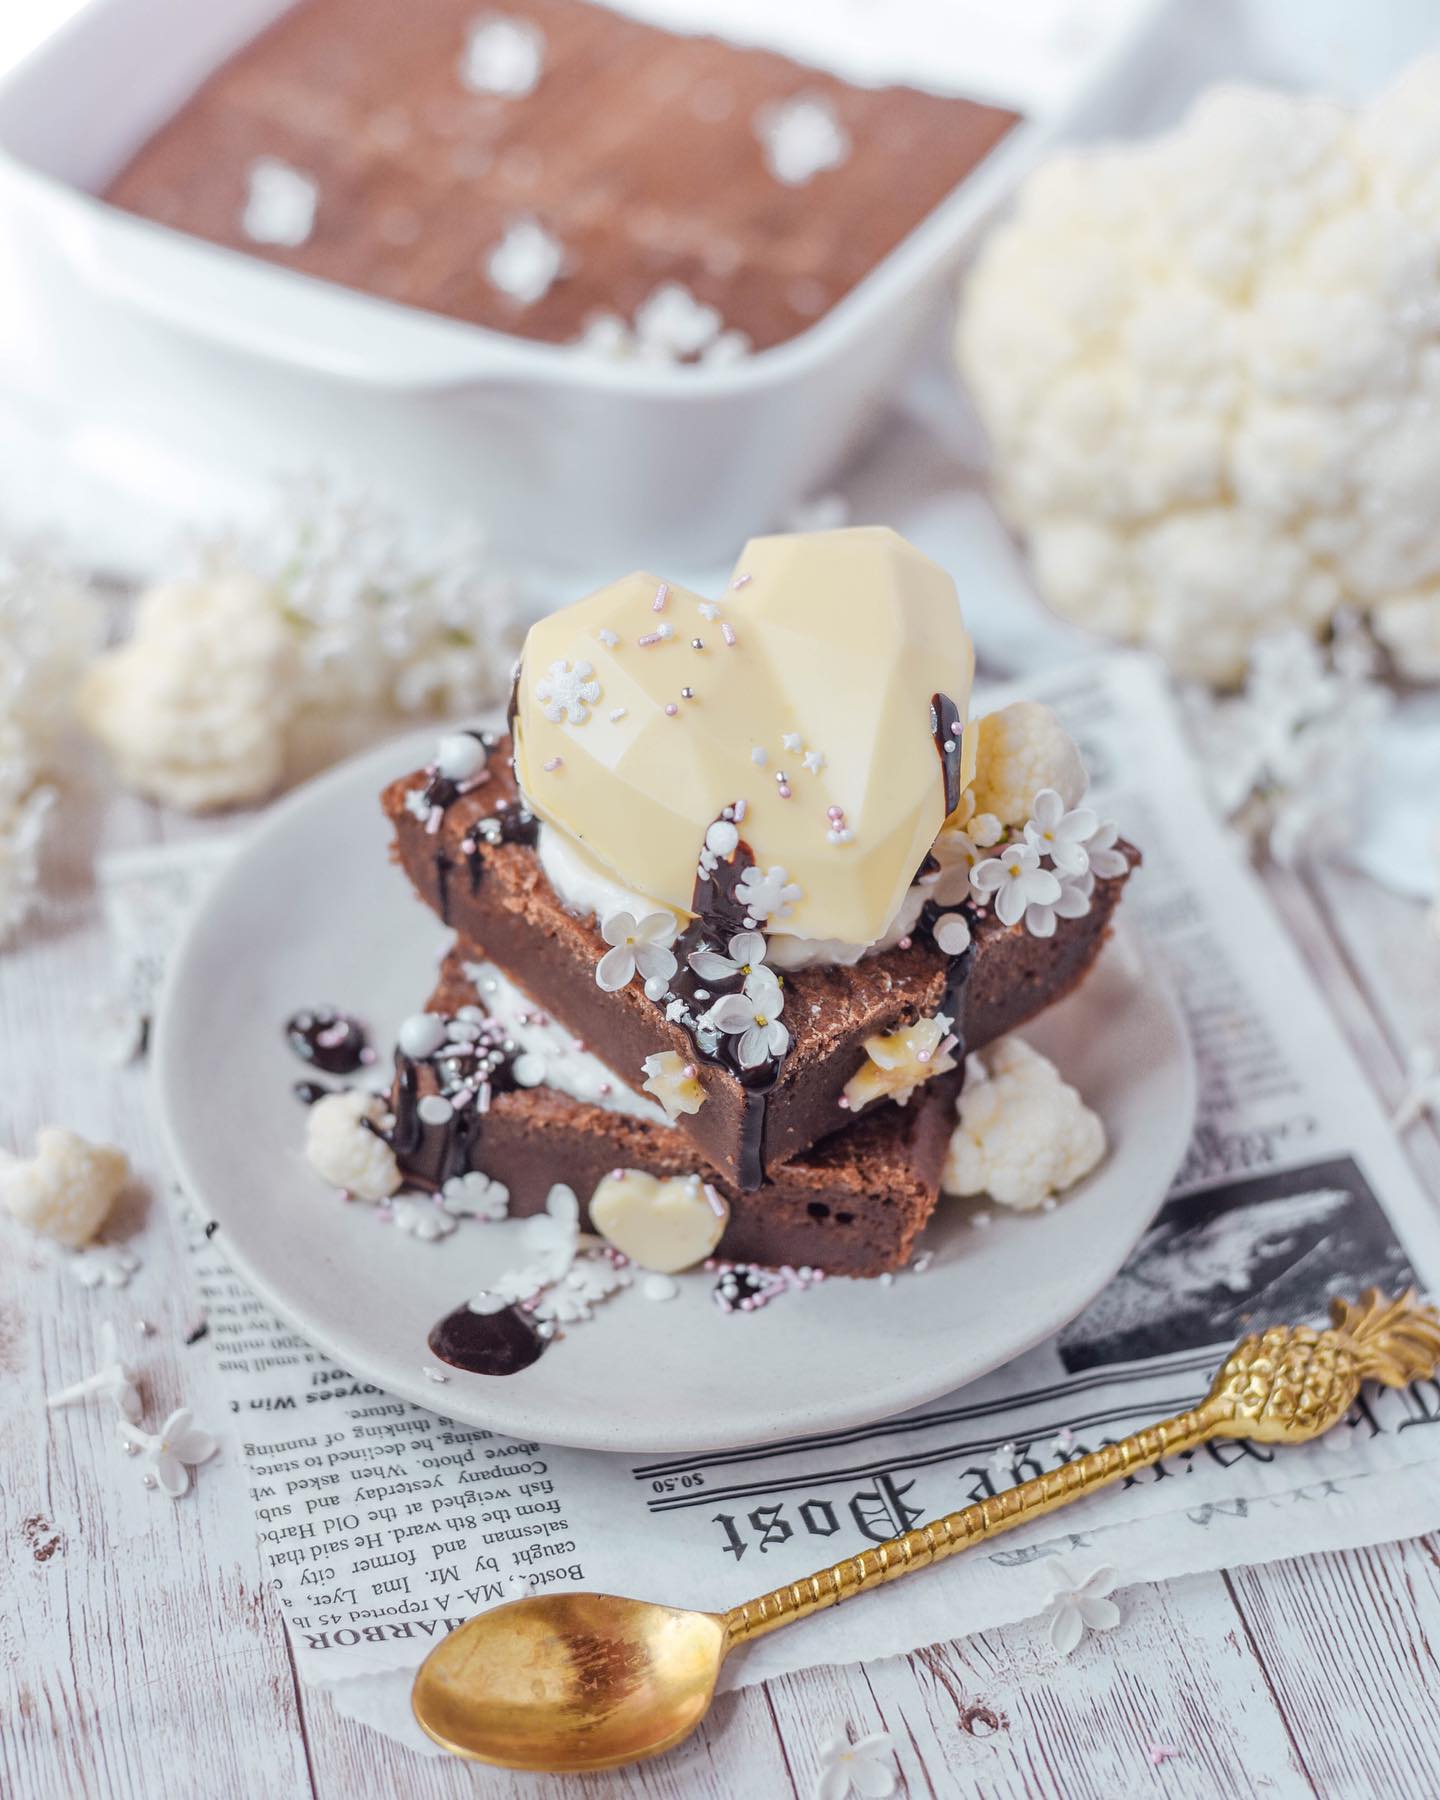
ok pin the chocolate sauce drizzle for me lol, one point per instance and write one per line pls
(328, 1039)
(719, 914)
(498, 1343)
(308, 1092)
(945, 727)
(470, 1072)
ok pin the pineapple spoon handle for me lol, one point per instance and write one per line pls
(959, 1530)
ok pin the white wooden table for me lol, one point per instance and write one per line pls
(140, 1654)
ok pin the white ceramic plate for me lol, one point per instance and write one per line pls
(311, 911)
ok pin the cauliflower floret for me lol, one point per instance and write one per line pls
(1209, 367)
(66, 1190)
(194, 706)
(1408, 625)
(343, 1150)
(1019, 750)
(1024, 1134)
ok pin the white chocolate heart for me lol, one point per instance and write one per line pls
(663, 1225)
(803, 690)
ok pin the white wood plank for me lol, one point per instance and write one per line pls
(141, 1657)
(1003, 1715)
(1348, 1644)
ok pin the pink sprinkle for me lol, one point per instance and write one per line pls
(835, 812)
(652, 637)
(784, 790)
(740, 581)
(617, 1174)
(605, 1090)
(671, 709)
(905, 943)
(728, 633)
(432, 824)
(662, 594)
(923, 1055)
(467, 846)
(688, 1071)
(843, 1104)
(555, 762)
(1161, 1753)
(948, 1044)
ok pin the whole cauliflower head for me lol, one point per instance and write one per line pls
(343, 1150)
(1024, 1134)
(195, 705)
(1018, 751)
(1209, 367)
(66, 1190)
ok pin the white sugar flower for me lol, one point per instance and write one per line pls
(637, 944)
(109, 1264)
(1105, 860)
(753, 1014)
(422, 1219)
(574, 1296)
(171, 1453)
(863, 1767)
(568, 693)
(1061, 835)
(747, 952)
(1074, 903)
(768, 895)
(112, 1382)
(1016, 880)
(476, 1195)
(551, 1236)
(1076, 1607)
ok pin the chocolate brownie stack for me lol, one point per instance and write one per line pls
(791, 1031)
(553, 169)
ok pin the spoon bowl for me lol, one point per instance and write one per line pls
(568, 1682)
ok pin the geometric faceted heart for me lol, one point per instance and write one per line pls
(804, 690)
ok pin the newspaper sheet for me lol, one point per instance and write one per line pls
(382, 1526)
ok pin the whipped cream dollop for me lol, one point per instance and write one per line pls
(589, 890)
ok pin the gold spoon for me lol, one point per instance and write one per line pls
(570, 1682)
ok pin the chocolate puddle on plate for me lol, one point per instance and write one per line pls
(488, 1343)
(328, 1040)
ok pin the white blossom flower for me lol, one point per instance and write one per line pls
(112, 1382)
(171, 1453)
(476, 1195)
(754, 1015)
(1076, 1607)
(1073, 903)
(568, 693)
(768, 895)
(1059, 834)
(747, 952)
(637, 944)
(1015, 880)
(958, 856)
(863, 1767)
(422, 1219)
(1105, 860)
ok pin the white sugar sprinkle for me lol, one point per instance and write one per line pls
(618, 714)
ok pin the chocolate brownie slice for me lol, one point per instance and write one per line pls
(851, 1206)
(567, 164)
(497, 896)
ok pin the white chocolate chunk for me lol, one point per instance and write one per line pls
(661, 1225)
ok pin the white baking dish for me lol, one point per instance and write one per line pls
(212, 359)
